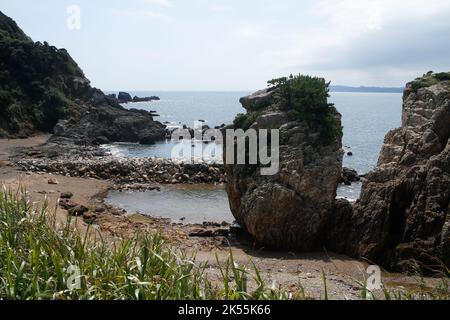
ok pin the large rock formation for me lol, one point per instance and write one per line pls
(289, 209)
(404, 212)
(43, 89)
(102, 122)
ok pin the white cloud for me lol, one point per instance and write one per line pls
(368, 15)
(147, 14)
(247, 32)
(341, 27)
(163, 3)
(221, 8)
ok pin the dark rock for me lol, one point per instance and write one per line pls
(100, 209)
(148, 140)
(101, 140)
(60, 127)
(108, 123)
(209, 232)
(67, 204)
(338, 222)
(349, 176)
(78, 210)
(124, 97)
(89, 217)
(81, 113)
(237, 229)
(146, 99)
(66, 195)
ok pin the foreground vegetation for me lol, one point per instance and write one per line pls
(429, 80)
(41, 260)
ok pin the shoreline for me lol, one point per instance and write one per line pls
(288, 269)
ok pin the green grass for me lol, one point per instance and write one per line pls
(39, 257)
(37, 260)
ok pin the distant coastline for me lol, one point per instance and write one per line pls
(337, 88)
(366, 89)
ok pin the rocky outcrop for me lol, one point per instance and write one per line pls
(349, 176)
(124, 97)
(404, 209)
(102, 123)
(44, 90)
(145, 99)
(289, 209)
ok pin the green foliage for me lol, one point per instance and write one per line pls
(443, 76)
(308, 97)
(429, 80)
(423, 83)
(245, 121)
(36, 81)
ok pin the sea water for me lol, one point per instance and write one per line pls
(366, 118)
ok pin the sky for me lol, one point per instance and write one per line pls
(240, 44)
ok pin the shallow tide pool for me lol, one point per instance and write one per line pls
(180, 203)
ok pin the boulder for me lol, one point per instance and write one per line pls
(258, 100)
(112, 123)
(78, 210)
(403, 212)
(66, 195)
(60, 127)
(289, 209)
(145, 99)
(124, 97)
(53, 181)
(67, 204)
(349, 176)
(148, 140)
(89, 217)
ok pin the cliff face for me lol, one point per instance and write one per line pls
(289, 209)
(404, 209)
(41, 85)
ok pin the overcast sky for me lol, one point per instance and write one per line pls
(240, 44)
